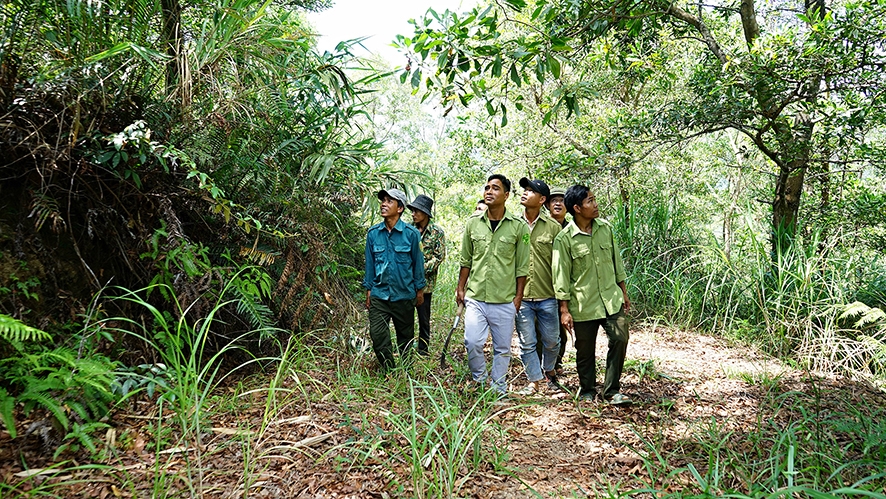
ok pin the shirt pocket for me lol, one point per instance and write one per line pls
(581, 256)
(480, 243)
(403, 254)
(378, 253)
(604, 251)
(506, 245)
(546, 240)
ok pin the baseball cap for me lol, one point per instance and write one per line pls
(536, 185)
(397, 194)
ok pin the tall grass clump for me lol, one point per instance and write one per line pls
(190, 366)
(795, 302)
(826, 450)
(439, 438)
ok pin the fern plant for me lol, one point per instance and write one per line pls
(73, 390)
(14, 330)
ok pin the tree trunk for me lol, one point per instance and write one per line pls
(786, 206)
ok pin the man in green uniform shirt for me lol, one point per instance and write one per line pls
(537, 320)
(494, 263)
(589, 281)
(558, 212)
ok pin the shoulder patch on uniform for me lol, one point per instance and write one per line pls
(525, 238)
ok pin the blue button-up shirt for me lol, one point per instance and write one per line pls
(395, 266)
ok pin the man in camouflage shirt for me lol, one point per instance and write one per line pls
(433, 243)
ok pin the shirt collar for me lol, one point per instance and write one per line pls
(574, 230)
(399, 226)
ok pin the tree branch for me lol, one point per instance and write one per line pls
(702, 28)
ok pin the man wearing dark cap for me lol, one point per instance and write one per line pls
(537, 317)
(433, 244)
(494, 262)
(394, 279)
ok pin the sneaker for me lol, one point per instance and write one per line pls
(619, 399)
(529, 389)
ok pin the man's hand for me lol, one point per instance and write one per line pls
(367, 300)
(459, 296)
(566, 321)
(518, 301)
(624, 291)
(419, 297)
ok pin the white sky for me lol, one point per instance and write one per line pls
(381, 20)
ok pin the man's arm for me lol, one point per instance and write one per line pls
(418, 269)
(463, 274)
(565, 316)
(624, 290)
(465, 260)
(368, 270)
(518, 299)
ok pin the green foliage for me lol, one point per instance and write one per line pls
(75, 391)
(820, 451)
(13, 330)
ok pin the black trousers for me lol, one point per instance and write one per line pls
(424, 325)
(616, 328)
(381, 314)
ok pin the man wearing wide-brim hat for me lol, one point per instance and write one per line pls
(394, 279)
(433, 243)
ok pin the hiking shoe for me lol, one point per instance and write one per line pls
(529, 389)
(619, 399)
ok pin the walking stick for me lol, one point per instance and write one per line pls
(458, 314)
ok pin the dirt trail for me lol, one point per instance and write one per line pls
(680, 383)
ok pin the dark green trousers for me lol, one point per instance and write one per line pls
(616, 328)
(381, 314)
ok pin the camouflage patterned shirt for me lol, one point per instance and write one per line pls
(433, 245)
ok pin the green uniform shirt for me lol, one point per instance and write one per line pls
(587, 270)
(496, 259)
(540, 280)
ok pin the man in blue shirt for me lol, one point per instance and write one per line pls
(395, 278)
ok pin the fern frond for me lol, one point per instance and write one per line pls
(258, 314)
(854, 309)
(7, 404)
(259, 257)
(12, 329)
(869, 316)
(46, 208)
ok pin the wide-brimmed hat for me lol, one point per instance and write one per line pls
(536, 185)
(397, 194)
(422, 203)
(557, 191)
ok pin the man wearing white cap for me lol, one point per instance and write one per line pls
(394, 279)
